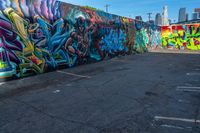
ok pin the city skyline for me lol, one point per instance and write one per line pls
(127, 7)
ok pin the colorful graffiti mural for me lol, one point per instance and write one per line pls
(43, 35)
(181, 36)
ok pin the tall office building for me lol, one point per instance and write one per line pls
(187, 16)
(196, 14)
(182, 15)
(165, 20)
(197, 10)
(158, 19)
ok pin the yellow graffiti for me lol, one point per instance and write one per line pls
(18, 8)
(32, 60)
(22, 26)
(2, 65)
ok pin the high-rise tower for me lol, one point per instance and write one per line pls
(182, 15)
(165, 20)
(158, 19)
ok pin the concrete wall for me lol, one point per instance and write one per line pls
(44, 35)
(181, 36)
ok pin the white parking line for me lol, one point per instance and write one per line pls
(172, 126)
(2, 83)
(176, 119)
(73, 74)
(187, 87)
(188, 90)
(175, 127)
(56, 91)
(197, 69)
(184, 101)
(193, 74)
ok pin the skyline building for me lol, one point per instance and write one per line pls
(158, 19)
(196, 14)
(182, 15)
(197, 10)
(187, 16)
(165, 20)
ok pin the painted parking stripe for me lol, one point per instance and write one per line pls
(193, 74)
(176, 127)
(176, 119)
(2, 83)
(172, 126)
(187, 87)
(56, 91)
(73, 74)
(188, 90)
(183, 101)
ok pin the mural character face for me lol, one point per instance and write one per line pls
(80, 22)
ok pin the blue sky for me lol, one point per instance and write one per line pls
(140, 7)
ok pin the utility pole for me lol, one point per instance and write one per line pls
(149, 14)
(107, 6)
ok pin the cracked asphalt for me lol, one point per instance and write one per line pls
(144, 93)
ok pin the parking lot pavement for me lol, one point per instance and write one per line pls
(145, 93)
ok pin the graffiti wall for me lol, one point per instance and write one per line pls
(148, 36)
(44, 35)
(181, 36)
